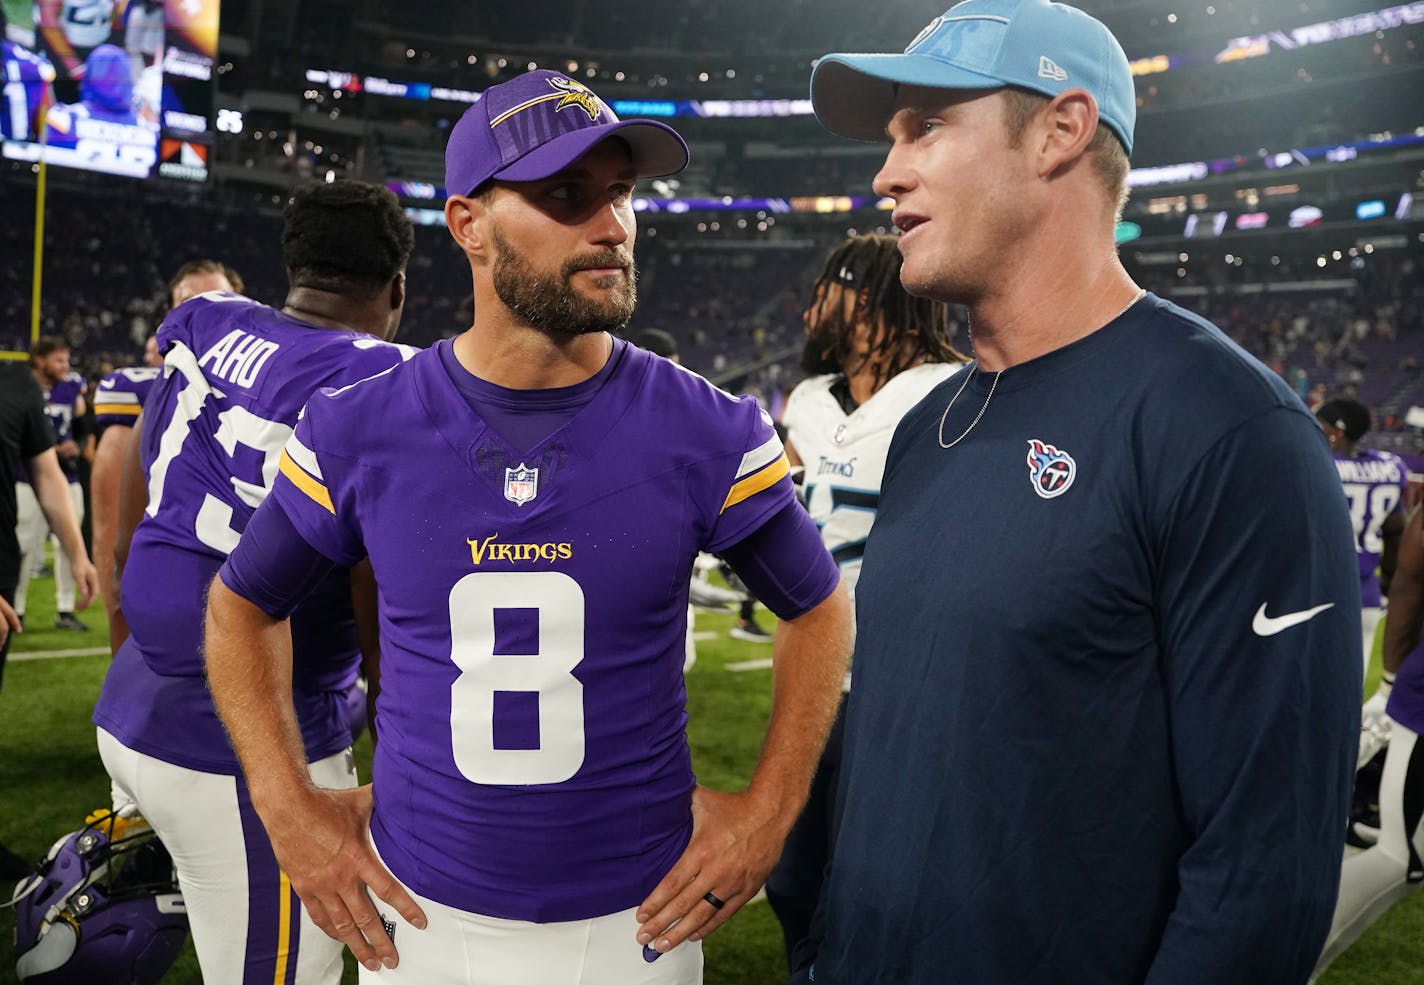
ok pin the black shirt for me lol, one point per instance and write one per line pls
(24, 433)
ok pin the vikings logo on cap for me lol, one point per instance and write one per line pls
(1050, 471)
(567, 92)
(577, 94)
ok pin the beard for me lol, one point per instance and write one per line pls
(551, 303)
(817, 357)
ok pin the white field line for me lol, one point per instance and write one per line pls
(741, 666)
(90, 651)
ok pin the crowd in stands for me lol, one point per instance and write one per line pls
(1354, 328)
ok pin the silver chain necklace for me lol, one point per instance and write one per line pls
(1141, 293)
(945, 416)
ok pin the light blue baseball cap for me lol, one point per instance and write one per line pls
(982, 44)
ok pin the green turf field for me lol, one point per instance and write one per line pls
(50, 777)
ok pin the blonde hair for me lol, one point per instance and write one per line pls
(1109, 155)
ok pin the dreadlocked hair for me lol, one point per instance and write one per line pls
(905, 330)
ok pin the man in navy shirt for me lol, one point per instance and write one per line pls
(1107, 692)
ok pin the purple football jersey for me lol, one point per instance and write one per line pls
(26, 81)
(1374, 483)
(121, 395)
(59, 408)
(236, 374)
(533, 763)
(1406, 700)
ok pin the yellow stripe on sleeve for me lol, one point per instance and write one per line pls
(306, 483)
(117, 410)
(754, 484)
(284, 929)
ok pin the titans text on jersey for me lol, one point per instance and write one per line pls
(844, 454)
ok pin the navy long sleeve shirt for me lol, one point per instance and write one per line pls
(1107, 679)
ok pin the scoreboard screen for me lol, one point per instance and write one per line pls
(119, 86)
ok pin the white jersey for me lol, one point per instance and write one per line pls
(844, 454)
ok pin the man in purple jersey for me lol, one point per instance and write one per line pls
(25, 88)
(64, 406)
(531, 505)
(1374, 484)
(1375, 879)
(202, 457)
(117, 404)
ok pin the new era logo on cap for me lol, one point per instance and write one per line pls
(1038, 45)
(1048, 70)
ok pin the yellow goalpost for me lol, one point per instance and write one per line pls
(37, 274)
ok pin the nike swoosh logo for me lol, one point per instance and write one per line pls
(1264, 625)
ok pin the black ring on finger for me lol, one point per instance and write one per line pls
(717, 904)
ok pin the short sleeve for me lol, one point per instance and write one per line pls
(117, 399)
(315, 488)
(36, 434)
(751, 486)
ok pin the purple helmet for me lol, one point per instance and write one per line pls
(102, 909)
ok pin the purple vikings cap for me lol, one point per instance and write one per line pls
(541, 122)
(982, 44)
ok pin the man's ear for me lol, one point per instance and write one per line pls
(466, 217)
(397, 290)
(1067, 125)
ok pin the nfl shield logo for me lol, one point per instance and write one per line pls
(521, 484)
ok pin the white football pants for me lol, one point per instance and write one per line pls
(30, 529)
(1375, 879)
(248, 925)
(459, 948)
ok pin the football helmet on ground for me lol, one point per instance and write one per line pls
(102, 908)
